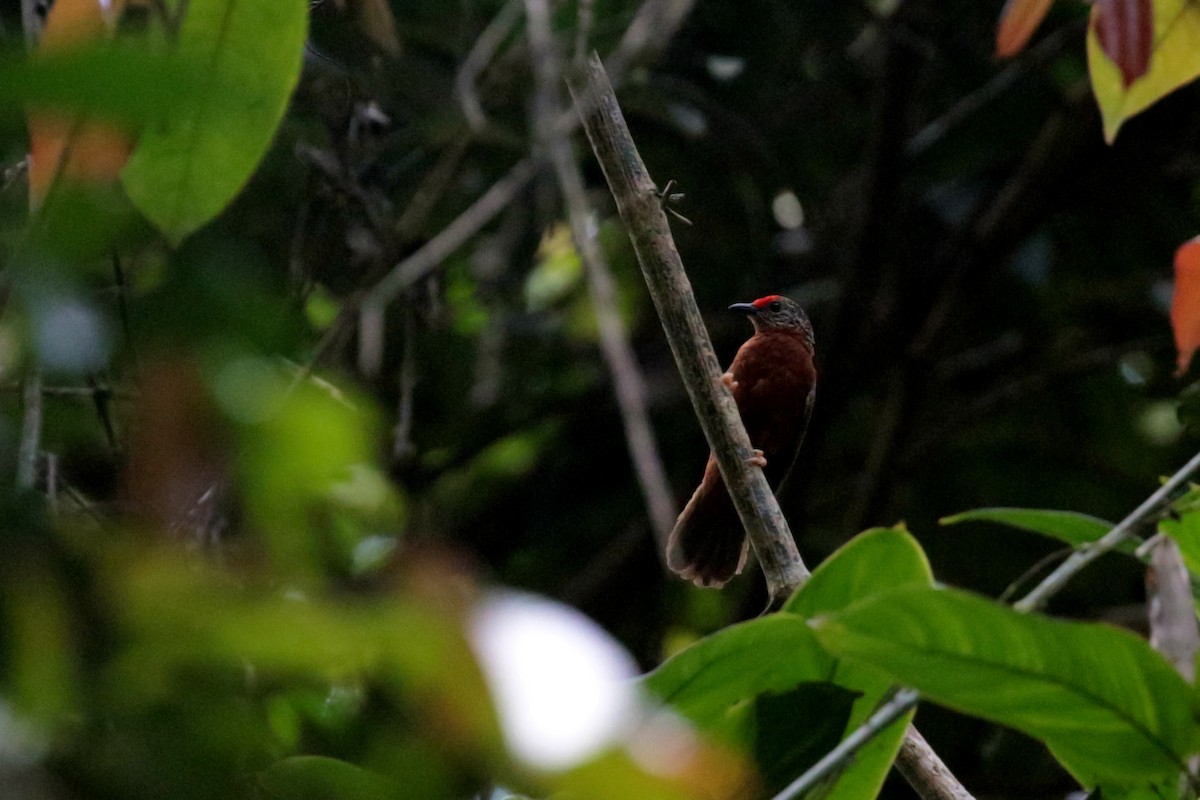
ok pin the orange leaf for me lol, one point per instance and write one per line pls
(60, 145)
(1185, 305)
(1018, 21)
(1125, 29)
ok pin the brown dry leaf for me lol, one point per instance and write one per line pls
(1018, 22)
(1172, 610)
(1185, 305)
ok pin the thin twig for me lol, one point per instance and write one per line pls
(402, 444)
(638, 203)
(652, 29)
(33, 17)
(436, 250)
(14, 173)
(52, 478)
(654, 24)
(628, 383)
(479, 56)
(967, 105)
(583, 29)
(429, 191)
(1120, 533)
(31, 431)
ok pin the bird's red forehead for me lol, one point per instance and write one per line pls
(762, 301)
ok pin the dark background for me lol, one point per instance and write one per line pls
(988, 281)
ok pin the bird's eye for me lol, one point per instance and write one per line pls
(776, 306)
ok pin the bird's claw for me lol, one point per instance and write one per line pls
(729, 382)
(757, 459)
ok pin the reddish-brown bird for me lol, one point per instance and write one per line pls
(774, 382)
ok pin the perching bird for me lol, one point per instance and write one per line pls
(774, 383)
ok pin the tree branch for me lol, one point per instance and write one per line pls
(628, 384)
(478, 58)
(31, 431)
(640, 208)
(639, 205)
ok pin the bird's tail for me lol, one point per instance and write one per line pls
(708, 545)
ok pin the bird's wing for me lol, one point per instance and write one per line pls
(809, 402)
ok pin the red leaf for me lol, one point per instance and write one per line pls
(1185, 305)
(1125, 29)
(1018, 21)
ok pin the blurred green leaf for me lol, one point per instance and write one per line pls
(192, 163)
(876, 560)
(305, 455)
(110, 81)
(411, 651)
(1066, 526)
(40, 676)
(319, 778)
(557, 273)
(615, 774)
(1107, 706)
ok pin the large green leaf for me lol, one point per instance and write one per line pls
(1174, 61)
(189, 166)
(773, 654)
(782, 748)
(1067, 526)
(876, 560)
(1109, 707)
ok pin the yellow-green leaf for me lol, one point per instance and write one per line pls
(188, 167)
(1174, 61)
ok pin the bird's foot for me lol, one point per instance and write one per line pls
(729, 382)
(757, 459)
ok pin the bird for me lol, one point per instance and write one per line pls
(774, 382)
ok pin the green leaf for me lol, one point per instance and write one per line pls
(1108, 707)
(875, 560)
(794, 730)
(319, 778)
(189, 166)
(180, 619)
(1186, 533)
(773, 654)
(1174, 61)
(880, 559)
(109, 81)
(1066, 526)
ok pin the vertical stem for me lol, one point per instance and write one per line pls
(31, 431)
(628, 384)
